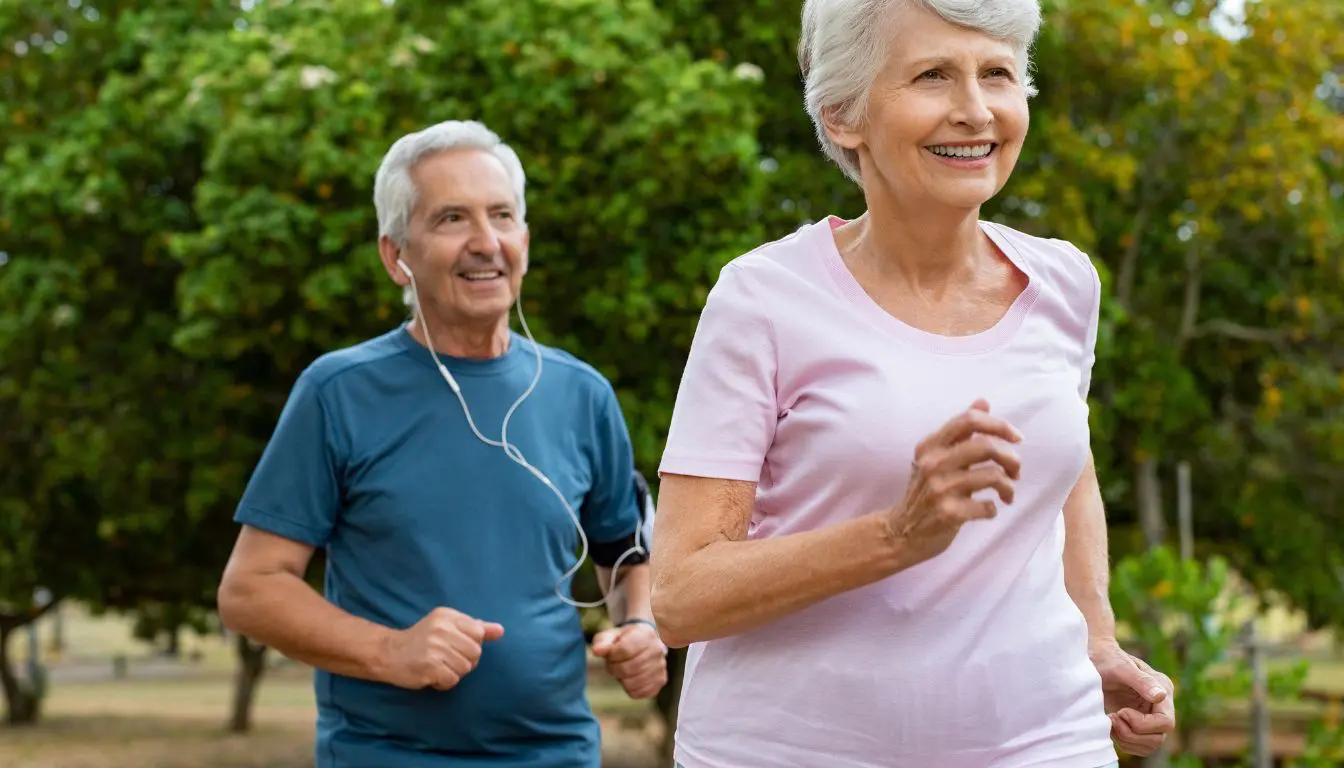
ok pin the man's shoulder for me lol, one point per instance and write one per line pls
(577, 371)
(334, 365)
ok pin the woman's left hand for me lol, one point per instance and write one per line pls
(1140, 700)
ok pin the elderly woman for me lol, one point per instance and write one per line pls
(880, 529)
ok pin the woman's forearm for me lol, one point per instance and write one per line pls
(728, 587)
(1086, 566)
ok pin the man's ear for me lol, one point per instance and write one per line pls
(388, 253)
(527, 241)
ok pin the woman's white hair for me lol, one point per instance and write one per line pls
(843, 46)
(394, 192)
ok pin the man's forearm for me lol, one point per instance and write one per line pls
(631, 598)
(1086, 559)
(282, 611)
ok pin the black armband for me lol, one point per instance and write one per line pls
(607, 553)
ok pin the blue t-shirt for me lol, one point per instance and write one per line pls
(373, 460)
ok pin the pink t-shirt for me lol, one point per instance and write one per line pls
(975, 659)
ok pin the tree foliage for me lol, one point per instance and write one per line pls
(1199, 163)
(628, 141)
(187, 223)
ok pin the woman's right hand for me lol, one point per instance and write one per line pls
(950, 465)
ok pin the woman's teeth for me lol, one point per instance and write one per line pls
(972, 152)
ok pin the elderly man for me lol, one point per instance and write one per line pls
(451, 485)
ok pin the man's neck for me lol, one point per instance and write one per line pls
(463, 341)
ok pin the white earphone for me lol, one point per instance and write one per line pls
(513, 453)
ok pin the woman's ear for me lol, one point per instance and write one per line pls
(838, 131)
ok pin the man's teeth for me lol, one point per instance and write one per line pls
(976, 151)
(488, 274)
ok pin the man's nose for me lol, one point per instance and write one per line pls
(484, 238)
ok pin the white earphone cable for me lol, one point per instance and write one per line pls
(516, 455)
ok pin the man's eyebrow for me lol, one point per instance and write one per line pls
(448, 208)
(443, 210)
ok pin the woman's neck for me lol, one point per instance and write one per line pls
(928, 249)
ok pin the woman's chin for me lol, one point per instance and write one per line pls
(966, 194)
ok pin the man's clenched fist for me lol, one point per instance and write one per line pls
(438, 651)
(635, 657)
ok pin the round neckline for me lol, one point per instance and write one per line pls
(970, 344)
(463, 366)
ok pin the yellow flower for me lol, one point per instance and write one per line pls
(1274, 398)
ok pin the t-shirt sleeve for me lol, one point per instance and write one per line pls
(294, 491)
(726, 408)
(610, 512)
(1089, 355)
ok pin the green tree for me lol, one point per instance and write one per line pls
(188, 221)
(639, 159)
(1191, 639)
(1195, 162)
(111, 434)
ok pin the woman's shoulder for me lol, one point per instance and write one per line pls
(752, 282)
(793, 259)
(784, 252)
(1052, 257)
(1061, 267)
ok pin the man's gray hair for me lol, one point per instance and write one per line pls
(394, 192)
(843, 46)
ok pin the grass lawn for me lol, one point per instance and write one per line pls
(164, 723)
(179, 723)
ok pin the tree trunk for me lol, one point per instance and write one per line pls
(1149, 493)
(251, 666)
(669, 697)
(57, 631)
(22, 705)
(174, 649)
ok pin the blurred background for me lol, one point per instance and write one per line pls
(186, 221)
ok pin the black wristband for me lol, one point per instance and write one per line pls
(606, 553)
